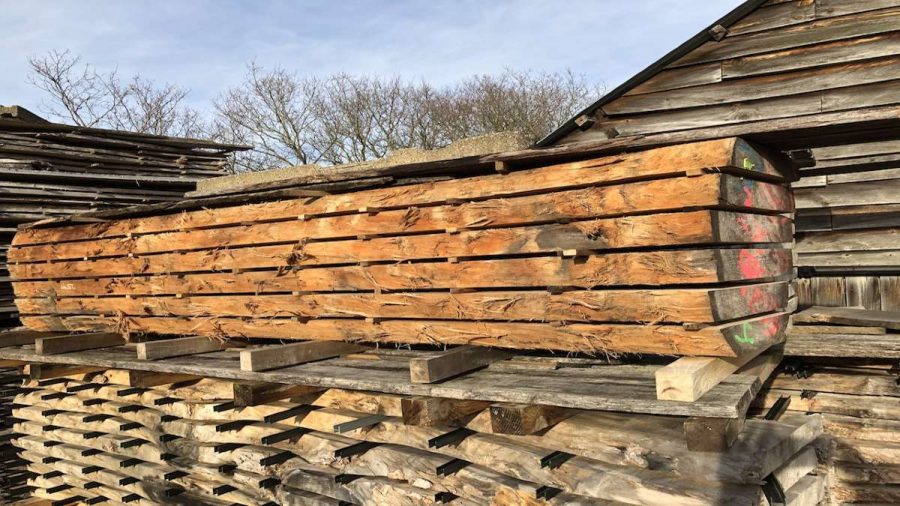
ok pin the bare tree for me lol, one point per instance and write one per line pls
(274, 111)
(529, 102)
(78, 93)
(346, 118)
(295, 120)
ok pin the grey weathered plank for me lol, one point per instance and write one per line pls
(832, 53)
(847, 261)
(730, 398)
(842, 345)
(19, 337)
(775, 16)
(453, 362)
(77, 342)
(807, 34)
(756, 88)
(833, 8)
(154, 350)
(850, 316)
(273, 357)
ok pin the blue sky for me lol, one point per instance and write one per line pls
(204, 45)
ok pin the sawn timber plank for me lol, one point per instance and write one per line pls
(673, 305)
(734, 339)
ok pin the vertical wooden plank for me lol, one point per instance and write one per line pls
(822, 291)
(889, 288)
(863, 291)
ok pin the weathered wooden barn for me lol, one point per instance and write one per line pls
(818, 78)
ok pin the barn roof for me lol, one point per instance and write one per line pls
(694, 42)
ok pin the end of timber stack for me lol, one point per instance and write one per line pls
(49, 170)
(575, 331)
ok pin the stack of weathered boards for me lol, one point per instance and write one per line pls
(848, 224)
(677, 251)
(13, 474)
(207, 441)
(842, 363)
(49, 170)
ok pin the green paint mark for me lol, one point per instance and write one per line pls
(744, 338)
(749, 165)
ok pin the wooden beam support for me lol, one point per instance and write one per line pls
(711, 434)
(688, 378)
(77, 342)
(706, 434)
(154, 350)
(274, 357)
(23, 337)
(38, 371)
(254, 393)
(454, 362)
(524, 419)
(147, 379)
(429, 411)
(11, 363)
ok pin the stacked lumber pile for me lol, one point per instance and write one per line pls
(842, 364)
(848, 224)
(13, 474)
(676, 251)
(177, 439)
(48, 170)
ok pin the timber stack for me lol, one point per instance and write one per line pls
(188, 440)
(576, 257)
(661, 274)
(841, 363)
(49, 170)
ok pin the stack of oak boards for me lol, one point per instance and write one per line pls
(677, 250)
(190, 442)
(842, 363)
(50, 170)
(848, 224)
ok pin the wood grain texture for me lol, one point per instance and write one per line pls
(274, 357)
(77, 342)
(726, 340)
(615, 269)
(453, 362)
(654, 196)
(668, 305)
(651, 164)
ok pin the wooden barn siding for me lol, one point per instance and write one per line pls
(848, 227)
(788, 59)
(799, 59)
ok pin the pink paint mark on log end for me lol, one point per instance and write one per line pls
(751, 264)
